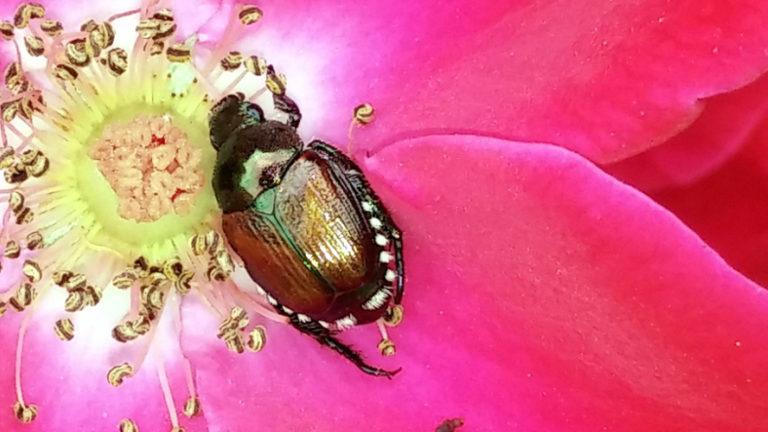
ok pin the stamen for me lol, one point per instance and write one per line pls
(6, 30)
(34, 45)
(394, 316)
(386, 346)
(24, 413)
(128, 425)
(51, 28)
(192, 407)
(118, 373)
(65, 329)
(257, 339)
(250, 14)
(168, 395)
(361, 115)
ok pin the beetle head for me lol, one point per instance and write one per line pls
(253, 159)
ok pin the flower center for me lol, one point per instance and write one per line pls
(151, 167)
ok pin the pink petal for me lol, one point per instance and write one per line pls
(607, 80)
(727, 208)
(726, 124)
(67, 381)
(541, 295)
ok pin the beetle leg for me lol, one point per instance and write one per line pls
(323, 336)
(287, 105)
(397, 241)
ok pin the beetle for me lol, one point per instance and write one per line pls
(308, 227)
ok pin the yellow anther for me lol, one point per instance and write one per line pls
(141, 266)
(163, 15)
(6, 30)
(12, 75)
(26, 110)
(256, 65)
(8, 111)
(172, 269)
(29, 156)
(65, 329)
(26, 12)
(387, 347)
(213, 241)
(92, 295)
(215, 273)
(75, 301)
(118, 373)
(34, 45)
(147, 28)
(141, 325)
(178, 53)
(257, 339)
(192, 407)
(75, 282)
(102, 36)
(7, 157)
(41, 164)
(276, 83)
(165, 30)
(225, 263)
(23, 297)
(124, 332)
(79, 52)
(51, 28)
(128, 425)
(157, 48)
(117, 61)
(155, 298)
(12, 250)
(16, 173)
(250, 14)
(124, 280)
(35, 240)
(16, 201)
(25, 216)
(363, 113)
(198, 244)
(239, 317)
(61, 277)
(25, 413)
(32, 271)
(394, 316)
(232, 61)
(184, 283)
(65, 72)
(234, 342)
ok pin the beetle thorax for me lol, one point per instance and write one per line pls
(253, 160)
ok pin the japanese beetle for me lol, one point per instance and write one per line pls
(309, 229)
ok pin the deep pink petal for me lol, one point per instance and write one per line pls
(726, 124)
(727, 208)
(605, 79)
(68, 380)
(541, 295)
